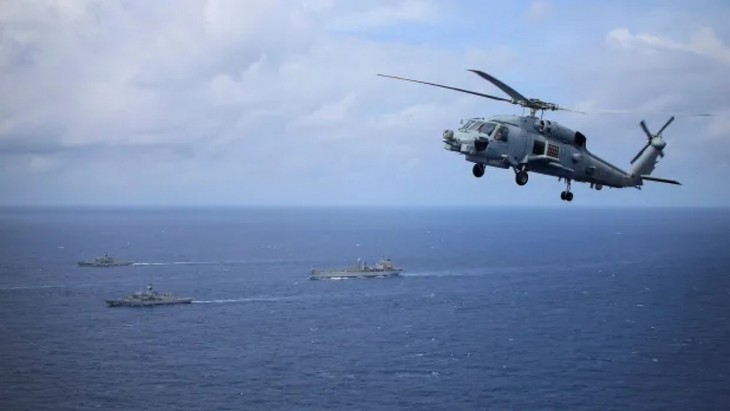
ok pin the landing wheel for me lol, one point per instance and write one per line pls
(478, 170)
(521, 178)
(566, 195)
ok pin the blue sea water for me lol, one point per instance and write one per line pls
(498, 308)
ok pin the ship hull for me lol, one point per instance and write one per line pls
(115, 264)
(127, 303)
(352, 274)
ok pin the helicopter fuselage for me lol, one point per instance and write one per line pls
(527, 143)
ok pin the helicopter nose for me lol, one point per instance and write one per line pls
(451, 143)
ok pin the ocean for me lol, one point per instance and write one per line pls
(497, 308)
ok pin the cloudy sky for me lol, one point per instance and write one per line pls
(277, 102)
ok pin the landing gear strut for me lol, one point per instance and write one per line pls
(567, 195)
(521, 177)
(478, 170)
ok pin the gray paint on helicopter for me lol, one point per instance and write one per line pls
(534, 144)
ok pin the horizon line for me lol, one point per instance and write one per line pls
(29, 207)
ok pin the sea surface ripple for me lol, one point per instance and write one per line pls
(525, 308)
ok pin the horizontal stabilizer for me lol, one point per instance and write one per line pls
(661, 180)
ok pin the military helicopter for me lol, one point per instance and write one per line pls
(528, 143)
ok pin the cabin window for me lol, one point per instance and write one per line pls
(501, 134)
(553, 150)
(538, 147)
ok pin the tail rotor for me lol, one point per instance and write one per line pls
(650, 137)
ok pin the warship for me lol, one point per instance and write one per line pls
(382, 269)
(148, 298)
(104, 261)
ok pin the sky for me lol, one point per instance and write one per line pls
(253, 103)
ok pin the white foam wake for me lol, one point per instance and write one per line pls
(185, 263)
(34, 287)
(221, 262)
(244, 300)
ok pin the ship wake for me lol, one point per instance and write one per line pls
(194, 263)
(220, 262)
(245, 300)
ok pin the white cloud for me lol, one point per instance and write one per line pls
(538, 10)
(703, 42)
(381, 15)
(245, 102)
(40, 164)
(720, 126)
(329, 114)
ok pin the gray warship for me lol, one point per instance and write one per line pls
(382, 269)
(148, 298)
(104, 261)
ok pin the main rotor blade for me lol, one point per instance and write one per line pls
(448, 87)
(665, 126)
(637, 111)
(639, 153)
(646, 130)
(507, 89)
(571, 110)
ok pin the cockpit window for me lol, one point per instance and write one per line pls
(475, 126)
(466, 125)
(487, 128)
